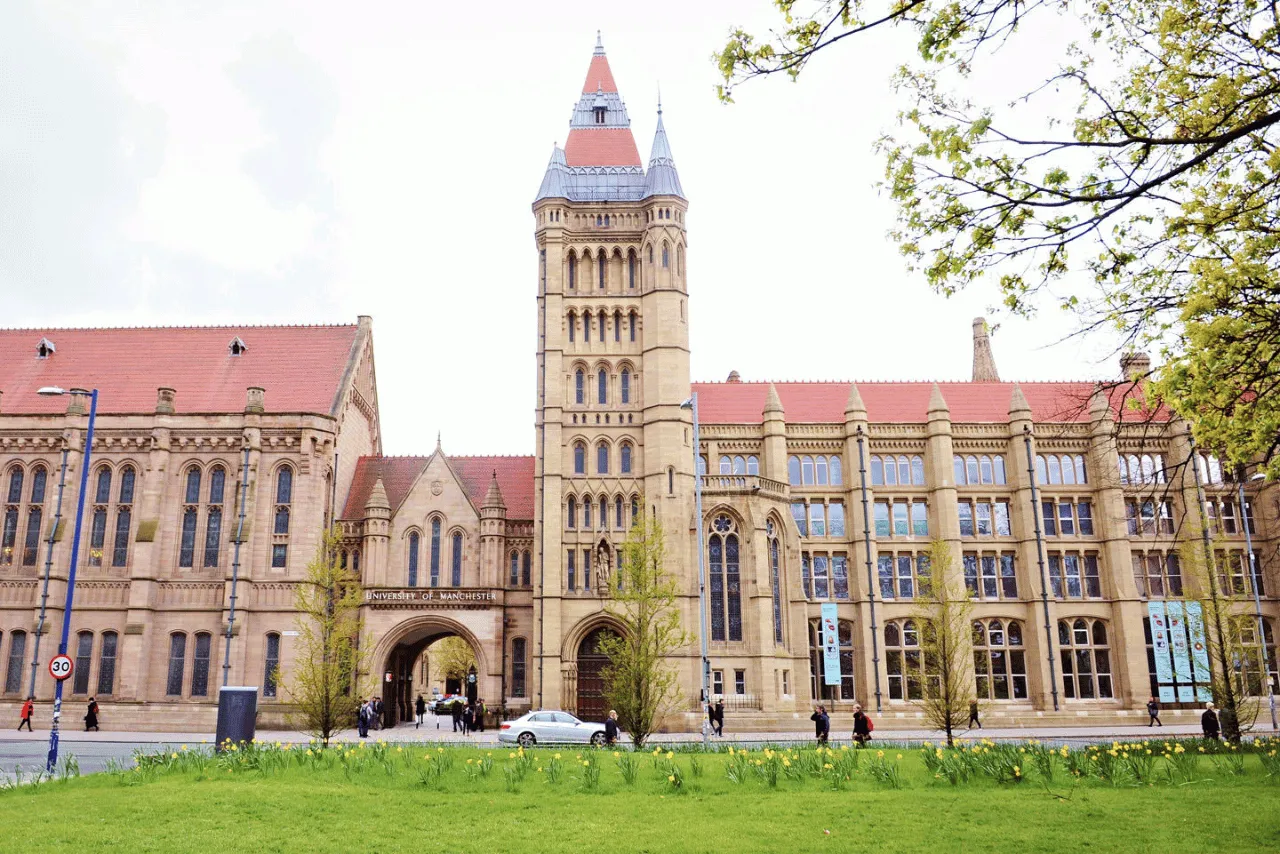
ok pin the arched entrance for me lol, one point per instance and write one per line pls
(591, 704)
(402, 673)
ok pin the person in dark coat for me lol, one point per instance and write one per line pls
(91, 716)
(719, 717)
(28, 712)
(480, 710)
(611, 728)
(419, 711)
(821, 725)
(362, 719)
(1153, 709)
(973, 714)
(455, 711)
(468, 719)
(861, 726)
(1209, 723)
(377, 712)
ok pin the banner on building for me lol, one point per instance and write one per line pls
(1181, 652)
(1199, 652)
(830, 644)
(1161, 649)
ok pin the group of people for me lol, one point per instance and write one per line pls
(467, 717)
(369, 716)
(28, 713)
(862, 725)
(715, 717)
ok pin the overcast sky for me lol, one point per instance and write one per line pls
(270, 161)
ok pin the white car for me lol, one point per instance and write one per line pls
(550, 728)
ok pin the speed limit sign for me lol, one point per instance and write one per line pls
(60, 667)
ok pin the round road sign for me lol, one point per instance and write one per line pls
(60, 667)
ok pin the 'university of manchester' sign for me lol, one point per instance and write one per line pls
(441, 595)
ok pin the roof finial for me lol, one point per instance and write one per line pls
(437, 440)
(659, 99)
(599, 44)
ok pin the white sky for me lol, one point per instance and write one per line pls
(273, 161)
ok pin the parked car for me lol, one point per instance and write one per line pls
(550, 728)
(444, 705)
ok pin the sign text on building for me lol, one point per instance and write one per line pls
(441, 595)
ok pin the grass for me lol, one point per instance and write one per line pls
(387, 798)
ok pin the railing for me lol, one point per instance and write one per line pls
(743, 484)
(738, 702)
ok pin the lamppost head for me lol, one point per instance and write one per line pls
(51, 391)
(688, 404)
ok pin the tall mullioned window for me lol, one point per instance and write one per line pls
(177, 664)
(518, 688)
(415, 544)
(999, 660)
(13, 671)
(726, 581)
(14, 514)
(284, 500)
(213, 516)
(107, 664)
(271, 665)
(435, 552)
(775, 579)
(1086, 659)
(456, 574)
(98, 519)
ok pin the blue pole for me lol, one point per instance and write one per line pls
(52, 762)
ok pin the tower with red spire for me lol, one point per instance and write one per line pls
(613, 371)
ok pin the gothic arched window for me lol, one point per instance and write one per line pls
(726, 581)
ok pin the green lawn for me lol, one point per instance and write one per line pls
(384, 799)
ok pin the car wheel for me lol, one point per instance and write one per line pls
(597, 739)
(526, 739)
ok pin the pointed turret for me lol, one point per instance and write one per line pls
(937, 404)
(772, 403)
(555, 183)
(600, 130)
(493, 498)
(984, 362)
(662, 178)
(1019, 409)
(854, 408)
(377, 499)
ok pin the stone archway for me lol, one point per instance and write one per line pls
(396, 653)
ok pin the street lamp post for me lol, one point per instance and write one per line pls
(52, 761)
(1257, 600)
(692, 404)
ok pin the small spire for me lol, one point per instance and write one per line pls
(984, 362)
(662, 179)
(854, 408)
(1018, 406)
(937, 404)
(377, 497)
(772, 403)
(437, 441)
(493, 498)
(599, 51)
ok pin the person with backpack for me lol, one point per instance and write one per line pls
(862, 726)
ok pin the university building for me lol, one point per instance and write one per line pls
(230, 450)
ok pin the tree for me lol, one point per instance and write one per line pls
(452, 657)
(326, 679)
(946, 644)
(1137, 176)
(1227, 623)
(638, 682)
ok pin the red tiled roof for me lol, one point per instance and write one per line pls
(599, 77)
(515, 479)
(903, 402)
(301, 367)
(601, 147)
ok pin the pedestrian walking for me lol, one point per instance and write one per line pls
(973, 714)
(1209, 723)
(419, 711)
(468, 719)
(611, 728)
(91, 716)
(720, 718)
(455, 712)
(862, 726)
(362, 719)
(821, 725)
(28, 711)
(1153, 710)
(377, 712)
(480, 711)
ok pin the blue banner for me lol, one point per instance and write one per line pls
(1199, 652)
(830, 643)
(1181, 652)
(1161, 648)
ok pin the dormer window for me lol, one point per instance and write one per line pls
(237, 346)
(45, 349)
(599, 111)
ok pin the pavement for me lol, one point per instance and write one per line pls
(26, 752)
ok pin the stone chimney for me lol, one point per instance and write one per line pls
(78, 403)
(1135, 366)
(256, 400)
(164, 400)
(734, 377)
(984, 363)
